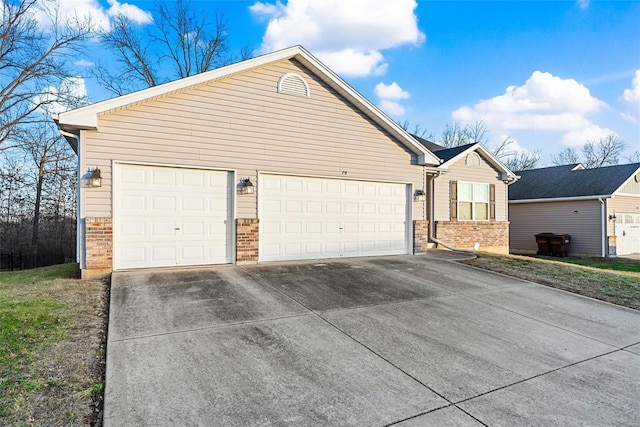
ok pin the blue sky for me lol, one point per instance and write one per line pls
(550, 74)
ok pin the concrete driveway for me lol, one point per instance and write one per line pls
(407, 340)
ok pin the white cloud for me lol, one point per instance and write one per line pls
(65, 97)
(347, 35)
(632, 98)
(391, 107)
(583, 4)
(580, 137)
(84, 63)
(389, 96)
(392, 91)
(544, 102)
(349, 62)
(93, 10)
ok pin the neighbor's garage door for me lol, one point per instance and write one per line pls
(627, 233)
(171, 216)
(306, 218)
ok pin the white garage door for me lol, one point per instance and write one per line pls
(171, 216)
(307, 218)
(627, 233)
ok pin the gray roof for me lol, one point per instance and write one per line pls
(441, 152)
(564, 182)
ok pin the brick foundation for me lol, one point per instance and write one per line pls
(99, 243)
(247, 240)
(492, 236)
(420, 236)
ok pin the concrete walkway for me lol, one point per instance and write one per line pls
(408, 341)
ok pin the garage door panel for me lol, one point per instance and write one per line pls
(348, 217)
(171, 216)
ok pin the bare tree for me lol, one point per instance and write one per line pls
(523, 160)
(595, 154)
(568, 156)
(417, 130)
(51, 156)
(33, 59)
(181, 39)
(634, 158)
(604, 152)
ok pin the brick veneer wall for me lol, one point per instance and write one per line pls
(99, 243)
(420, 236)
(247, 239)
(492, 236)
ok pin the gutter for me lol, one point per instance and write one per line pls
(604, 226)
(560, 199)
(432, 224)
(68, 136)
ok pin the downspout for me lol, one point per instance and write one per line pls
(604, 226)
(432, 223)
(79, 231)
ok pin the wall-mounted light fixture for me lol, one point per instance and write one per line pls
(246, 186)
(95, 180)
(612, 217)
(419, 196)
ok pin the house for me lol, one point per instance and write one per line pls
(469, 193)
(599, 208)
(273, 158)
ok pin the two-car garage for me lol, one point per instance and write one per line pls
(171, 216)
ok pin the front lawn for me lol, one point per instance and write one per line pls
(609, 279)
(51, 347)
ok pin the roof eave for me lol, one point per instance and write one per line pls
(560, 199)
(87, 117)
(492, 159)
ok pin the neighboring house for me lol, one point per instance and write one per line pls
(273, 158)
(599, 208)
(469, 190)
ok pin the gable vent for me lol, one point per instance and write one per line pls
(293, 84)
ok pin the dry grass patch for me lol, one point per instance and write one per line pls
(52, 329)
(618, 287)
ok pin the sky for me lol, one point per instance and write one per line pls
(549, 74)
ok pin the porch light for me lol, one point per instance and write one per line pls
(96, 179)
(419, 196)
(246, 187)
(612, 217)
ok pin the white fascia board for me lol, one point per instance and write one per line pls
(87, 117)
(425, 157)
(559, 199)
(487, 154)
(617, 191)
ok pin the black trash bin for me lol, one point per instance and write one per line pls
(544, 243)
(560, 244)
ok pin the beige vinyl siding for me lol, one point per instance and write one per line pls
(241, 123)
(584, 226)
(621, 204)
(484, 173)
(631, 187)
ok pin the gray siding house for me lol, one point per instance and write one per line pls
(273, 158)
(599, 208)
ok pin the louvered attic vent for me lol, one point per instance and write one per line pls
(293, 84)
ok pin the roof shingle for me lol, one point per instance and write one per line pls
(564, 182)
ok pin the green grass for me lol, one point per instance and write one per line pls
(606, 279)
(615, 264)
(62, 271)
(31, 320)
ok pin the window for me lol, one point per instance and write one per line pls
(472, 201)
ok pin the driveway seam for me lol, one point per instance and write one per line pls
(206, 328)
(352, 338)
(547, 323)
(537, 376)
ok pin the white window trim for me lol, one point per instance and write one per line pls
(474, 202)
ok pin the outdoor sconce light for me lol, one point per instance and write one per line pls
(246, 187)
(419, 196)
(612, 217)
(95, 180)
